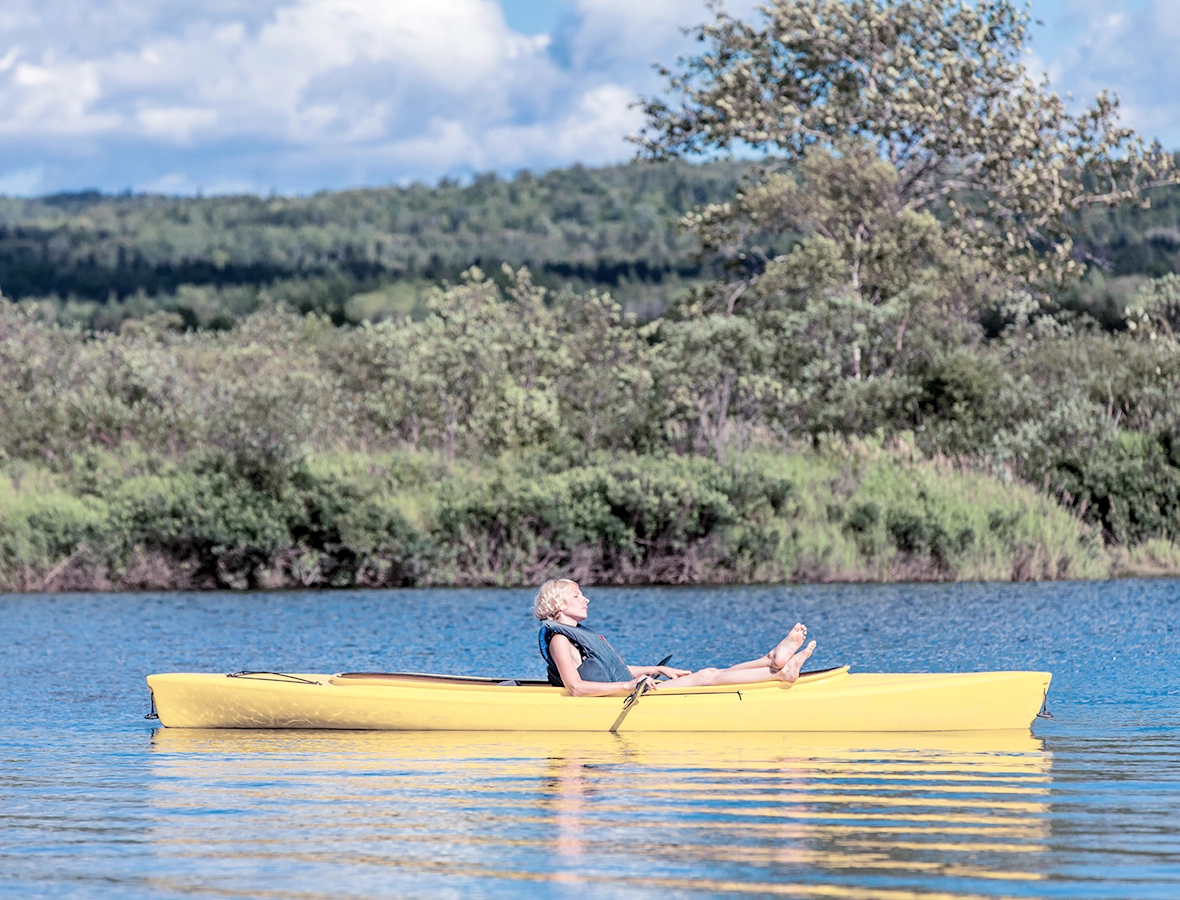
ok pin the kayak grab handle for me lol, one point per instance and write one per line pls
(278, 676)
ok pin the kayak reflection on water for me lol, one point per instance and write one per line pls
(806, 815)
(584, 662)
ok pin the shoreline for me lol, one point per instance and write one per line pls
(104, 586)
(862, 513)
(77, 574)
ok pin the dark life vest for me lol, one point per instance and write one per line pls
(600, 662)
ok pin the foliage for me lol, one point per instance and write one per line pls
(718, 380)
(661, 519)
(867, 513)
(940, 94)
(97, 261)
(485, 372)
(859, 236)
(238, 414)
(1155, 309)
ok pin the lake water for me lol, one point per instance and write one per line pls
(95, 802)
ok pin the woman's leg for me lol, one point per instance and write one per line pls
(743, 673)
(778, 656)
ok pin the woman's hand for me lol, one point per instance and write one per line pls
(639, 679)
(670, 672)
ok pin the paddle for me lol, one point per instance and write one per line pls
(664, 662)
(640, 689)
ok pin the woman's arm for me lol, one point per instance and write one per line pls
(562, 651)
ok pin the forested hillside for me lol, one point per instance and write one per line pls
(612, 228)
(97, 259)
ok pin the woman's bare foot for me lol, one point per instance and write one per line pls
(790, 672)
(787, 647)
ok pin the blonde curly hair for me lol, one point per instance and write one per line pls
(550, 599)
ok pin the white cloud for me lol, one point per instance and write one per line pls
(52, 97)
(176, 124)
(298, 95)
(620, 31)
(593, 132)
(377, 88)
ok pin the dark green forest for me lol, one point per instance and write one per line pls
(99, 259)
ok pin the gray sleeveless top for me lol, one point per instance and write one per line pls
(600, 662)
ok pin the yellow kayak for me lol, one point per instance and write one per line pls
(832, 700)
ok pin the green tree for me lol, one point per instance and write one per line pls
(605, 380)
(855, 232)
(937, 88)
(477, 375)
(1154, 310)
(718, 380)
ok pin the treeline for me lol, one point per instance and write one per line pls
(98, 260)
(211, 259)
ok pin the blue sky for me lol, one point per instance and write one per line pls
(296, 96)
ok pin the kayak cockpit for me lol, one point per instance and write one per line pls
(427, 678)
(377, 678)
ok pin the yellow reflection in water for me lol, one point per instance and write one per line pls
(872, 816)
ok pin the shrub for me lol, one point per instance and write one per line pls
(634, 519)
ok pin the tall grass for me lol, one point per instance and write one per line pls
(870, 514)
(849, 512)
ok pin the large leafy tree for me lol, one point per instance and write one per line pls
(938, 90)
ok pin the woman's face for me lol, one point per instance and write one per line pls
(576, 604)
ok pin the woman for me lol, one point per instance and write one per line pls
(585, 663)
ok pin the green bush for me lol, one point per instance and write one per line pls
(863, 513)
(849, 512)
(637, 519)
(41, 524)
(1129, 485)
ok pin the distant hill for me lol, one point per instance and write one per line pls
(1123, 247)
(612, 228)
(371, 253)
